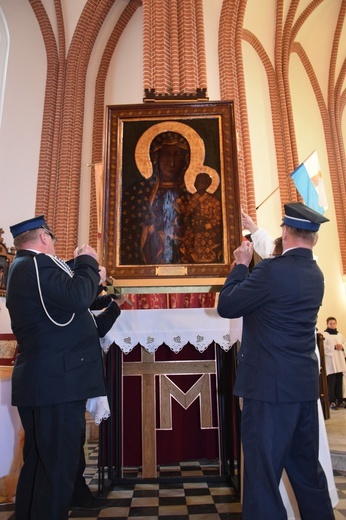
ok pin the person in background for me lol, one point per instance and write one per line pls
(278, 373)
(334, 349)
(263, 243)
(59, 364)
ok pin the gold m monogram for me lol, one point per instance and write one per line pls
(200, 390)
(148, 368)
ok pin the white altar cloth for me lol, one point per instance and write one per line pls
(174, 327)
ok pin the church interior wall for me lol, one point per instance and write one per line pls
(20, 130)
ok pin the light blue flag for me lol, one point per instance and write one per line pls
(309, 183)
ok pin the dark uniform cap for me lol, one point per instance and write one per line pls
(26, 225)
(299, 216)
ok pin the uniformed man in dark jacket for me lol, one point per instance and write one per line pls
(58, 367)
(278, 372)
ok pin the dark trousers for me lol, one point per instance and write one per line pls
(334, 382)
(51, 455)
(81, 491)
(279, 436)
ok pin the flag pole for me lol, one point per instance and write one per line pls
(263, 201)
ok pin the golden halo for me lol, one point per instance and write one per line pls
(197, 150)
(190, 179)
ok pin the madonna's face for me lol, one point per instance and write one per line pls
(172, 162)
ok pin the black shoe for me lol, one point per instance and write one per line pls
(91, 504)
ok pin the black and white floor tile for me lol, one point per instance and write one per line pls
(195, 500)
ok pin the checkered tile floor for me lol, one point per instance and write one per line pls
(178, 501)
(171, 501)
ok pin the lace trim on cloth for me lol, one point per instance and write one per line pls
(174, 327)
(174, 340)
(106, 342)
(98, 407)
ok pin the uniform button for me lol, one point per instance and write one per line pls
(82, 359)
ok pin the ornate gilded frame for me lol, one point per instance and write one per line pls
(6, 258)
(209, 129)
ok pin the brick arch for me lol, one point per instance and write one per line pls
(232, 80)
(58, 189)
(46, 183)
(287, 190)
(232, 86)
(99, 108)
(331, 115)
(336, 104)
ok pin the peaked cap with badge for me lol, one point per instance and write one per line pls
(300, 216)
(27, 225)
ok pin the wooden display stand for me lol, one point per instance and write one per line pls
(170, 405)
(113, 444)
(6, 257)
(323, 378)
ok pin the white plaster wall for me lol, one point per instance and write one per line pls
(212, 11)
(22, 115)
